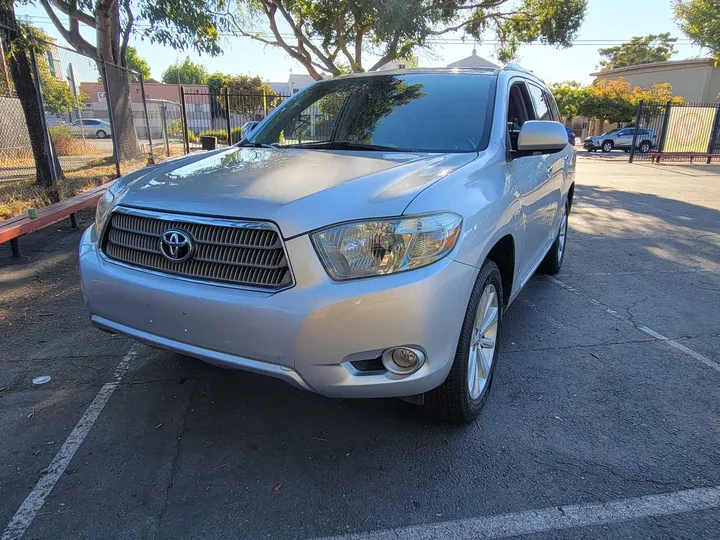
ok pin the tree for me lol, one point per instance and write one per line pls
(136, 63)
(181, 24)
(186, 73)
(700, 21)
(617, 100)
(570, 96)
(639, 50)
(18, 44)
(326, 34)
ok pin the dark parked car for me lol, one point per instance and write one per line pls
(571, 135)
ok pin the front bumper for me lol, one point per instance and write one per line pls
(590, 144)
(306, 335)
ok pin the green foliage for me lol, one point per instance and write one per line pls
(186, 73)
(700, 21)
(174, 129)
(330, 36)
(249, 96)
(138, 64)
(612, 100)
(570, 96)
(220, 134)
(57, 95)
(639, 50)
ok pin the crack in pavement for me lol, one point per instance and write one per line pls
(174, 460)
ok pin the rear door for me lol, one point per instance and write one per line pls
(624, 138)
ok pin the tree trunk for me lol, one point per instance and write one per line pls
(107, 19)
(22, 78)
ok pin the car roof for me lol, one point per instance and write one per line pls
(484, 71)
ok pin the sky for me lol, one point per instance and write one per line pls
(607, 23)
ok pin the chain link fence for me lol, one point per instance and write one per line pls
(73, 122)
(93, 123)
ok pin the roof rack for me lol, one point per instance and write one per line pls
(518, 67)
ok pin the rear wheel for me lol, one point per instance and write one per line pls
(607, 146)
(462, 395)
(100, 134)
(553, 260)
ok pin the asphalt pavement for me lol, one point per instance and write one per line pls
(603, 420)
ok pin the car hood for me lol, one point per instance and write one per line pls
(298, 189)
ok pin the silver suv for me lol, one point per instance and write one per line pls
(621, 139)
(363, 241)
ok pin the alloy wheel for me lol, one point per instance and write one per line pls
(483, 343)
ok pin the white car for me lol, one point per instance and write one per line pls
(91, 127)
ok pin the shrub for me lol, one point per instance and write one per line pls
(174, 128)
(221, 134)
(237, 134)
(62, 139)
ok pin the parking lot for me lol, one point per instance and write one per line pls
(603, 420)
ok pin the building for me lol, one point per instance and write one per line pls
(401, 63)
(295, 83)
(473, 61)
(696, 81)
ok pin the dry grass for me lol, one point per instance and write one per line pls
(17, 196)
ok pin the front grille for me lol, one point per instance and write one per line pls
(242, 253)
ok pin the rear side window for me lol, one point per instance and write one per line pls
(542, 108)
(554, 111)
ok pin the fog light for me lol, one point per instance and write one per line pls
(403, 360)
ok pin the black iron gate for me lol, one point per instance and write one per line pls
(676, 132)
(221, 115)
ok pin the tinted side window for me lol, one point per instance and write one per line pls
(542, 110)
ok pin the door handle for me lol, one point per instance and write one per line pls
(549, 171)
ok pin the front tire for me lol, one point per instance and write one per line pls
(459, 399)
(553, 260)
(644, 147)
(607, 146)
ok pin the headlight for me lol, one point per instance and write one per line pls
(103, 205)
(378, 247)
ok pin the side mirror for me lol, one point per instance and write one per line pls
(248, 127)
(542, 136)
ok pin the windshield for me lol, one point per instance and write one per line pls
(425, 112)
(609, 132)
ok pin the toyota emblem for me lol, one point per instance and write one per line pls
(176, 245)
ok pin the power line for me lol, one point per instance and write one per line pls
(440, 40)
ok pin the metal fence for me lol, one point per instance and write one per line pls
(217, 114)
(76, 121)
(677, 132)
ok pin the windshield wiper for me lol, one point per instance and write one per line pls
(249, 144)
(346, 145)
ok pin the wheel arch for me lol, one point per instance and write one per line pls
(502, 253)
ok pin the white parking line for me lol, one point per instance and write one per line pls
(33, 502)
(649, 331)
(554, 518)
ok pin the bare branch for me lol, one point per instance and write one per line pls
(73, 12)
(127, 30)
(72, 36)
(303, 41)
(389, 56)
(494, 16)
(304, 59)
